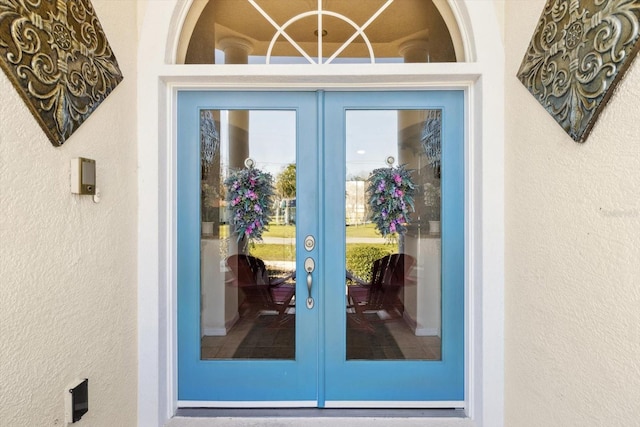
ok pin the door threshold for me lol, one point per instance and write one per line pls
(319, 413)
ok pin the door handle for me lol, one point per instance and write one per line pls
(309, 266)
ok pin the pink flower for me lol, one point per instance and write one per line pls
(257, 208)
(397, 178)
(392, 227)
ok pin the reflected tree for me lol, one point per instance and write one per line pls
(286, 182)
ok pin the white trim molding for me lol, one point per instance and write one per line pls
(248, 404)
(483, 82)
(449, 404)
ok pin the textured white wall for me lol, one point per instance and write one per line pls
(67, 265)
(572, 255)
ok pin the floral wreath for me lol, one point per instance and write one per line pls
(391, 199)
(249, 196)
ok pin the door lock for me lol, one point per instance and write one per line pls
(309, 243)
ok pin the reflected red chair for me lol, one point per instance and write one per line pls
(261, 293)
(389, 275)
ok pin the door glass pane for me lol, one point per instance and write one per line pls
(393, 243)
(320, 32)
(248, 234)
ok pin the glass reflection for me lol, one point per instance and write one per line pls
(248, 284)
(357, 31)
(393, 281)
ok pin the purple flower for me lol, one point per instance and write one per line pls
(249, 196)
(391, 198)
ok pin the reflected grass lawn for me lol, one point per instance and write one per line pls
(285, 231)
(284, 252)
(276, 252)
(273, 252)
(363, 230)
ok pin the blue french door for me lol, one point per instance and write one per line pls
(320, 308)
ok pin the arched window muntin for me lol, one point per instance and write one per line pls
(320, 13)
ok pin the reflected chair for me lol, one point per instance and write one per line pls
(383, 294)
(261, 293)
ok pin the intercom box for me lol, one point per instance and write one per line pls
(83, 176)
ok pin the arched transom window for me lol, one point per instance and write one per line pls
(317, 32)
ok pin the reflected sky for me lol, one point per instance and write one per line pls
(272, 139)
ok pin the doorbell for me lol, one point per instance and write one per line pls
(83, 176)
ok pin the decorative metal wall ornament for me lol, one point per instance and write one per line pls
(209, 141)
(431, 139)
(578, 53)
(57, 56)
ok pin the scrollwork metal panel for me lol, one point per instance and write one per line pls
(58, 58)
(578, 53)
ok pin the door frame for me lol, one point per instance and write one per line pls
(481, 307)
(484, 78)
(349, 83)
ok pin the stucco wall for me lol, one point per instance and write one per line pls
(572, 255)
(67, 265)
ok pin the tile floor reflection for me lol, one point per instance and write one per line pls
(281, 344)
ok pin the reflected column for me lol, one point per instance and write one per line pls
(410, 124)
(220, 302)
(214, 319)
(422, 301)
(236, 51)
(409, 128)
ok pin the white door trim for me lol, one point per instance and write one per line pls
(484, 277)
